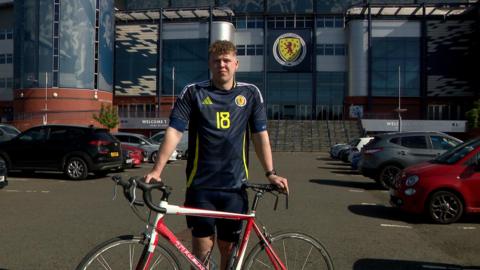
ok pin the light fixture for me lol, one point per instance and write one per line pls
(95, 95)
(55, 94)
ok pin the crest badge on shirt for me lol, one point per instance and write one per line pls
(240, 101)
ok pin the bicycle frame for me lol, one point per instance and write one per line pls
(162, 230)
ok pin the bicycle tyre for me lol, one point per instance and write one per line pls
(124, 252)
(296, 250)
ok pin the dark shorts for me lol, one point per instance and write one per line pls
(229, 201)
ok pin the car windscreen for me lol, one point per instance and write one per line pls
(10, 130)
(455, 154)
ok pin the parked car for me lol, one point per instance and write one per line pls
(135, 154)
(387, 154)
(141, 141)
(444, 188)
(335, 150)
(357, 148)
(3, 174)
(182, 146)
(75, 150)
(8, 132)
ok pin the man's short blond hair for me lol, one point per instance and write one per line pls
(220, 47)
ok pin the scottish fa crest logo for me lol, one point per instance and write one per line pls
(289, 49)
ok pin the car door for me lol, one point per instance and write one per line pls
(55, 146)
(471, 184)
(25, 151)
(415, 149)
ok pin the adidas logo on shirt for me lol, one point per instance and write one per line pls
(207, 101)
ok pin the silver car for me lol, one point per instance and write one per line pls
(182, 146)
(387, 154)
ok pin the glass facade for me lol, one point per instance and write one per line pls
(391, 57)
(77, 27)
(190, 59)
(106, 39)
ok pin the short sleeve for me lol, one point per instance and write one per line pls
(258, 118)
(181, 110)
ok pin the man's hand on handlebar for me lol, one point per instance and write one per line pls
(279, 181)
(152, 177)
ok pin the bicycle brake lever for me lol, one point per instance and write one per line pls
(134, 197)
(114, 192)
(276, 202)
(286, 201)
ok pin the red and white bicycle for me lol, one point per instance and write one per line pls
(286, 250)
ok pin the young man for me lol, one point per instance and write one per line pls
(220, 115)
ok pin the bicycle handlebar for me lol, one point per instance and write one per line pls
(130, 185)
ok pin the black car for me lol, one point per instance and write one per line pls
(75, 150)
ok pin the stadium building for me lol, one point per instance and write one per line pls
(312, 59)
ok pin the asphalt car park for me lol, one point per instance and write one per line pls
(51, 223)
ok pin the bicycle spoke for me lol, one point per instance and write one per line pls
(264, 264)
(101, 260)
(306, 259)
(131, 250)
(157, 262)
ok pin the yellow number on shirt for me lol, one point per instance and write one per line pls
(223, 120)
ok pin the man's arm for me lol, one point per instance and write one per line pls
(264, 154)
(170, 141)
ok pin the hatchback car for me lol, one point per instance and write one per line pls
(149, 147)
(8, 132)
(444, 188)
(387, 154)
(75, 150)
(182, 146)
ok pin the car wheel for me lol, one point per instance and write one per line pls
(153, 157)
(76, 169)
(445, 207)
(388, 174)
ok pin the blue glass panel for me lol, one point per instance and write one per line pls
(190, 59)
(106, 42)
(283, 6)
(331, 88)
(45, 45)
(77, 28)
(193, 3)
(146, 4)
(243, 6)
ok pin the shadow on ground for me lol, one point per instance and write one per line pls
(349, 184)
(382, 264)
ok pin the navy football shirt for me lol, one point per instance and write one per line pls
(218, 123)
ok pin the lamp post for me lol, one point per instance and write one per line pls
(399, 110)
(173, 85)
(45, 115)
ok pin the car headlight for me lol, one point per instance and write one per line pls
(411, 180)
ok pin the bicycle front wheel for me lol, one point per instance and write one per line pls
(295, 250)
(124, 252)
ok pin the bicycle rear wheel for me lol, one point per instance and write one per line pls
(124, 252)
(296, 250)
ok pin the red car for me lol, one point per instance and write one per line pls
(444, 188)
(136, 154)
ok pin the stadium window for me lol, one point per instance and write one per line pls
(3, 34)
(320, 49)
(259, 23)
(241, 23)
(2, 83)
(240, 49)
(329, 49)
(259, 49)
(321, 22)
(339, 22)
(9, 34)
(2, 58)
(329, 22)
(250, 22)
(250, 49)
(9, 58)
(339, 49)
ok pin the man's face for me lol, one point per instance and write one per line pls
(223, 67)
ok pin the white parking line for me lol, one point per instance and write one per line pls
(27, 191)
(396, 226)
(467, 228)
(365, 203)
(356, 190)
(435, 267)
